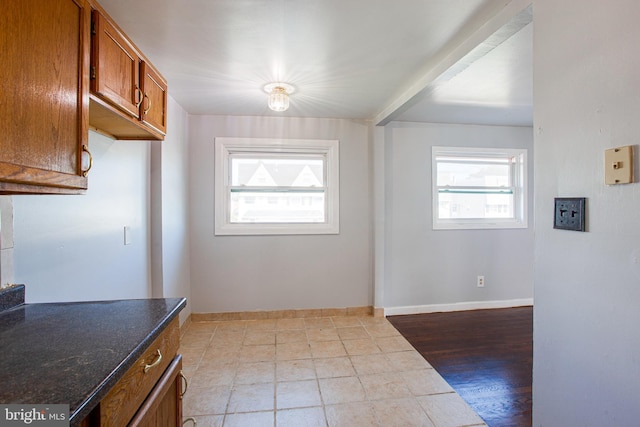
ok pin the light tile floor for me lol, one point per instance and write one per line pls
(307, 372)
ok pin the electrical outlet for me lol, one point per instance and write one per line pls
(569, 213)
(481, 281)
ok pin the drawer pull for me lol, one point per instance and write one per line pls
(186, 384)
(193, 420)
(154, 363)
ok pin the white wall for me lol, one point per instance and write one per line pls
(71, 248)
(170, 253)
(244, 273)
(587, 285)
(6, 241)
(424, 268)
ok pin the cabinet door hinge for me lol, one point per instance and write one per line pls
(93, 72)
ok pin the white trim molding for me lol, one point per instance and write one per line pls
(327, 150)
(480, 194)
(458, 306)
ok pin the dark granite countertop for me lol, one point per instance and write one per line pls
(73, 353)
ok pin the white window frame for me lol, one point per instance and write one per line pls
(519, 184)
(226, 147)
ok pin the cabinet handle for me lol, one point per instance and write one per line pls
(193, 420)
(142, 95)
(154, 363)
(186, 384)
(146, 110)
(86, 150)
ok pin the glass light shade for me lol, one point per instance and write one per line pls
(278, 95)
(278, 99)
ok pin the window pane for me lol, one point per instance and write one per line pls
(275, 172)
(473, 173)
(277, 207)
(474, 205)
(479, 188)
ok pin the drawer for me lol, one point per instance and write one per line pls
(124, 399)
(163, 407)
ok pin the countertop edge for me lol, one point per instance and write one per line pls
(95, 396)
(11, 297)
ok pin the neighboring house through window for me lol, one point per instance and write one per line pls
(479, 188)
(276, 186)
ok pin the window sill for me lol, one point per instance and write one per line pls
(475, 225)
(274, 229)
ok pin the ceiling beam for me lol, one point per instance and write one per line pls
(471, 47)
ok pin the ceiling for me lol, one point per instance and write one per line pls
(450, 61)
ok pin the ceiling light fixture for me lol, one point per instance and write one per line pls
(278, 99)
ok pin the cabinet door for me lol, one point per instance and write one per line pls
(163, 406)
(154, 105)
(44, 52)
(114, 66)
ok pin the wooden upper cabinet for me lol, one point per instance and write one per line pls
(58, 81)
(128, 95)
(154, 103)
(44, 101)
(115, 66)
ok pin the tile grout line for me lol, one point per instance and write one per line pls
(324, 406)
(367, 398)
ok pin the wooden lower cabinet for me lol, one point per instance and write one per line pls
(150, 392)
(163, 407)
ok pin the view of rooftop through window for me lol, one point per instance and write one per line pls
(282, 188)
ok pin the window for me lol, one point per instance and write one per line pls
(479, 188)
(276, 186)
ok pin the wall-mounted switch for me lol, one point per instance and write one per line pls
(127, 235)
(569, 213)
(618, 165)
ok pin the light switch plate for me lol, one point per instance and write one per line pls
(127, 235)
(618, 165)
(569, 213)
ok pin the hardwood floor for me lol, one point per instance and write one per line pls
(485, 355)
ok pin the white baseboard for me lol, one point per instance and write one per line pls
(459, 306)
